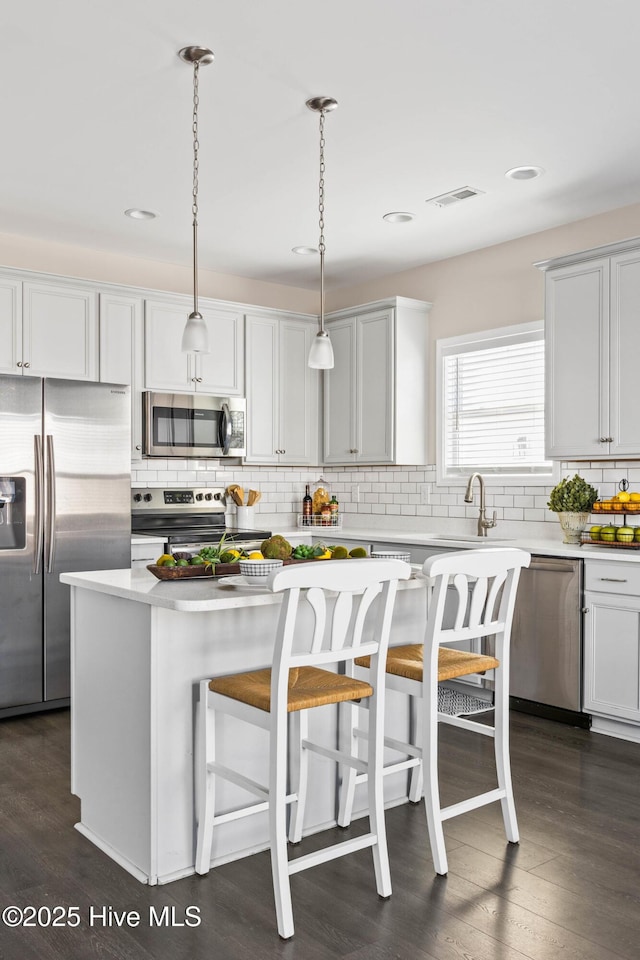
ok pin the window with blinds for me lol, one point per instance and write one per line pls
(492, 404)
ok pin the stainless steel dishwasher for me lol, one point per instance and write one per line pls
(546, 640)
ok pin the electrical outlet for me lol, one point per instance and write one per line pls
(424, 490)
(355, 492)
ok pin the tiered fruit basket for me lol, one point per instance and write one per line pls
(629, 540)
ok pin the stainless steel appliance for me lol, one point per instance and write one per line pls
(187, 518)
(546, 639)
(193, 425)
(65, 480)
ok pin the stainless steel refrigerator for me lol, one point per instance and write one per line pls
(65, 487)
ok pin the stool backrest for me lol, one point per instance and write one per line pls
(340, 595)
(472, 595)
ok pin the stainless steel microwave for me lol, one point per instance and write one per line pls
(193, 425)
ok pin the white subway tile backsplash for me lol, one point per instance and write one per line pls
(390, 491)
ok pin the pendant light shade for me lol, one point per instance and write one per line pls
(195, 338)
(321, 353)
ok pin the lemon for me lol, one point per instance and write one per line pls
(324, 556)
(634, 497)
(161, 561)
(255, 555)
(236, 553)
(623, 496)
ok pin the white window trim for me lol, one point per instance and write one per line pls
(472, 341)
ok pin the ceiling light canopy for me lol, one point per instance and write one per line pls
(524, 173)
(304, 251)
(399, 216)
(195, 338)
(321, 353)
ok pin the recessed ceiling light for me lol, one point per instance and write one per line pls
(304, 251)
(140, 214)
(399, 216)
(524, 173)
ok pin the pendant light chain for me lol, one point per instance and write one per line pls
(196, 169)
(321, 244)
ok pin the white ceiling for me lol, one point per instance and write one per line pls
(433, 95)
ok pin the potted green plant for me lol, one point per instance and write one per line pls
(573, 499)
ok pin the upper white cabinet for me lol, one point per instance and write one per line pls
(48, 329)
(592, 340)
(282, 391)
(121, 354)
(220, 372)
(375, 397)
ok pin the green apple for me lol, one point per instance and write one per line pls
(594, 533)
(636, 533)
(624, 534)
(608, 533)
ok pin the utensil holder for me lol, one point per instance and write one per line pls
(245, 518)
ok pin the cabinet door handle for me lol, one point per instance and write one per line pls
(19, 364)
(138, 446)
(199, 379)
(194, 379)
(584, 610)
(27, 364)
(613, 580)
(353, 450)
(606, 439)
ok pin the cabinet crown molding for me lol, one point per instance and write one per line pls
(595, 253)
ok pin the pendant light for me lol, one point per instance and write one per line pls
(195, 338)
(321, 353)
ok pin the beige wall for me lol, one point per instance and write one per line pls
(493, 287)
(70, 261)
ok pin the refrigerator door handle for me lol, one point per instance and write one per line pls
(39, 520)
(51, 504)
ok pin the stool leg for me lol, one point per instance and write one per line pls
(299, 771)
(348, 721)
(205, 782)
(416, 778)
(375, 790)
(278, 824)
(432, 789)
(503, 762)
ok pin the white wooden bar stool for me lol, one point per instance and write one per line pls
(471, 596)
(346, 623)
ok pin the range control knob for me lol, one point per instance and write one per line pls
(208, 496)
(217, 496)
(148, 497)
(198, 496)
(137, 497)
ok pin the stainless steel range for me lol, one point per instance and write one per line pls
(186, 518)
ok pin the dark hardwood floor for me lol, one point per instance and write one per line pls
(570, 889)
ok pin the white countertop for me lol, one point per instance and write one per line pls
(186, 595)
(541, 547)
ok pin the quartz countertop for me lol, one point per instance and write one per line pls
(540, 547)
(188, 595)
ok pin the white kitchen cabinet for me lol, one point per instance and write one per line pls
(166, 367)
(612, 646)
(121, 354)
(48, 329)
(375, 397)
(282, 391)
(592, 340)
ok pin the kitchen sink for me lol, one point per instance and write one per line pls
(471, 538)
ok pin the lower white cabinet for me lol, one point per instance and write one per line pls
(282, 391)
(121, 354)
(612, 642)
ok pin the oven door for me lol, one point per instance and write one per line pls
(193, 425)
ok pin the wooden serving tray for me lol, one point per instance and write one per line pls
(181, 573)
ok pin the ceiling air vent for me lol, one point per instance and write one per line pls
(454, 196)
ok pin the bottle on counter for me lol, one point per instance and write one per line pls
(334, 507)
(307, 508)
(325, 514)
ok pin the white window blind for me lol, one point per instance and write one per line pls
(493, 405)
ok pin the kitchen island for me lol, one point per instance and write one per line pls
(139, 646)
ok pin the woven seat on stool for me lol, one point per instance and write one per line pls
(308, 687)
(331, 612)
(407, 662)
(470, 599)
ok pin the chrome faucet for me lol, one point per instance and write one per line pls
(483, 523)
